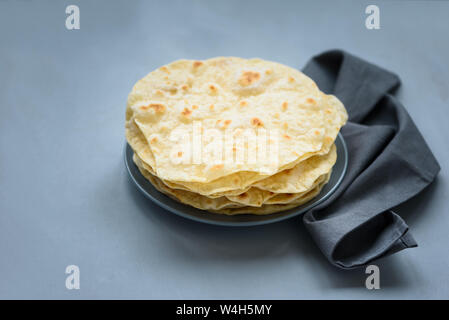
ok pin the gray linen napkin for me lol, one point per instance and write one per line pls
(389, 163)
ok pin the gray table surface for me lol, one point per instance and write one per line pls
(65, 197)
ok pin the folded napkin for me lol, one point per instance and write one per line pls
(389, 163)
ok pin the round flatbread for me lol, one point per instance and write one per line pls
(228, 95)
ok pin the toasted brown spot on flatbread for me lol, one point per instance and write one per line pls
(243, 103)
(284, 105)
(197, 64)
(256, 122)
(186, 112)
(310, 100)
(165, 69)
(286, 136)
(248, 77)
(157, 107)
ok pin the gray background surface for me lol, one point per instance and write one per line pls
(65, 197)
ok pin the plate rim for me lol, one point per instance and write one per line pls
(299, 210)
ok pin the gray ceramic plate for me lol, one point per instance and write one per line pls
(185, 211)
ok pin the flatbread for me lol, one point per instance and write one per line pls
(290, 182)
(251, 94)
(218, 204)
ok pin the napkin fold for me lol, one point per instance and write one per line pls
(389, 163)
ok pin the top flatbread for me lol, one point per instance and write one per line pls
(228, 95)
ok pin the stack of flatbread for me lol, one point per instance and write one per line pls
(233, 136)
